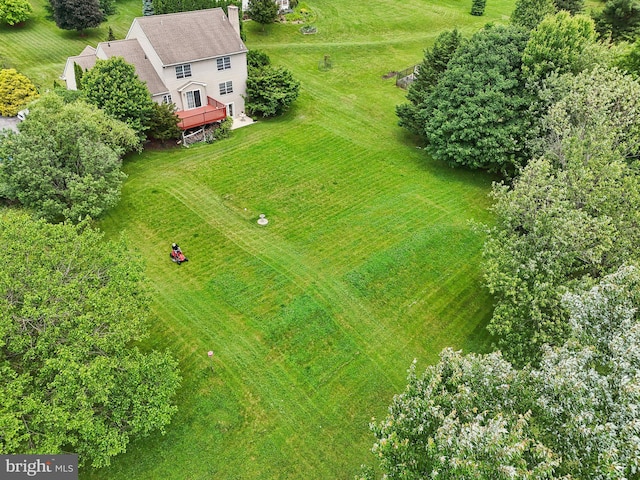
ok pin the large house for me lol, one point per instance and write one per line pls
(195, 60)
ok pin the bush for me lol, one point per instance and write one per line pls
(163, 124)
(478, 7)
(16, 90)
(270, 91)
(257, 59)
(15, 11)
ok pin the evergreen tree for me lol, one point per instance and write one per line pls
(571, 6)
(477, 8)
(78, 72)
(108, 7)
(479, 113)
(529, 13)
(434, 64)
(147, 8)
(77, 14)
(620, 19)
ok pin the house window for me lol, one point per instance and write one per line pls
(193, 99)
(167, 98)
(226, 87)
(183, 71)
(224, 63)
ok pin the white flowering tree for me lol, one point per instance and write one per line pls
(576, 416)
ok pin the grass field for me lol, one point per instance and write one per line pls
(368, 261)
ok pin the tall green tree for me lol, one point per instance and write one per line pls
(174, 6)
(163, 125)
(529, 13)
(576, 416)
(570, 217)
(572, 6)
(596, 106)
(558, 45)
(108, 7)
(73, 308)
(630, 61)
(479, 112)
(412, 115)
(16, 91)
(147, 8)
(477, 7)
(114, 86)
(77, 14)
(65, 162)
(270, 91)
(620, 19)
(15, 11)
(263, 12)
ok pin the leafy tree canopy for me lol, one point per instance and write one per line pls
(72, 308)
(270, 91)
(570, 218)
(575, 416)
(257, 59)
(173, 6)
(77, 14)
(630, 60)
(65, 162)
(478, 115)
(16, 90)
(557, 44)
(114, 86)
(263, 11)
(529, 13)
(15, 11)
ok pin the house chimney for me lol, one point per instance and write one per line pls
(234, 18)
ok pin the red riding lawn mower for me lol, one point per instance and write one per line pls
(177, 255)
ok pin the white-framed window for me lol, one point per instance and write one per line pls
(193, 99)
(224, 63)
(183, 71)
(226, 87)
(167, 98)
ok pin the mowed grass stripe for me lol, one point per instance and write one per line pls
(368, 261)
(278, 255)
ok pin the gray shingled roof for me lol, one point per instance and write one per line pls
(188, 36)
(132, 52)
(86, 61)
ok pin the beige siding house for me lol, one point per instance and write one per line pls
(195, 60)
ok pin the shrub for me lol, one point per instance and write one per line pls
(270, 91)
(15, 11)
(16, 90)
(257, 59)
(478, 7)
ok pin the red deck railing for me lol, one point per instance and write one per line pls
(213, 111)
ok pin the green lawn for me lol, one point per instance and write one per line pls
(369, 259)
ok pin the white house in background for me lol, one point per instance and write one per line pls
(282, 5)
(195, 60)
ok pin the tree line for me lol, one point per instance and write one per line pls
(552, 102)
